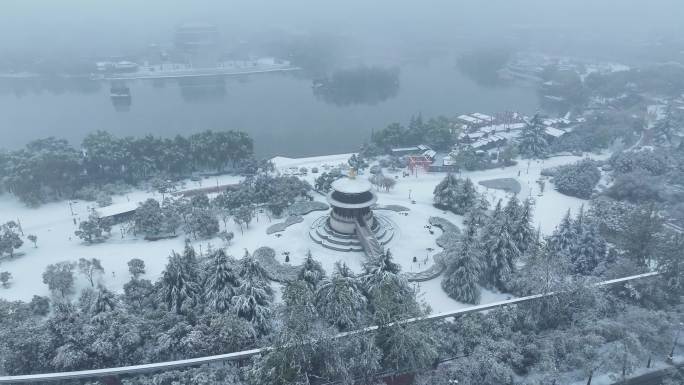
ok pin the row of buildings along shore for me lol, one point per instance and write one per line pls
(483, 133)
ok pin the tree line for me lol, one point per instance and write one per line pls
(214, 303)
(51, 168)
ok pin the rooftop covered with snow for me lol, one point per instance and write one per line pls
(117, 209)
(556, 133)
(351, 185)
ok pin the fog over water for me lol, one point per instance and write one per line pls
(281, 111)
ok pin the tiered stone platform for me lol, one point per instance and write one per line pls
(321, 233)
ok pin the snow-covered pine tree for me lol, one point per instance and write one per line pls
(179, 289)
(579, 241)
(670, 262)
(252, 303)
(189, 258)
(250, 269)
(340, 300)
(221, 283)
(383, 270)
(524, 234)
(478, 212)
(563, 237)
(501, 251)
(532, 142)
(512, 210)
(463, 270)
(312, 272)
(487, 237)
(387, 289)
(590, 248)
(505, 254)
(467, 196)
(446, 192)
(254, 295)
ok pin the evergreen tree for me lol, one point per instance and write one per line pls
(407, 347)
(311, 272)
(299, 300)
(387, 290)
(564, 236)
(487, 238)
(254, 294)
(467, 196)
(149, 219)
(500, 249)
(456, 195)
(478, 212)
(522, 227)
(446, 192)
(252, 303)
(639, 237)
(665, 129)
(590, 248)
(504, 255)
(222, 282)
(179, 287)
(383, 270)
(340, 300)
(577, 179)
(250, 269)
(670, 261)
(578, 241)
(512, 210)
(463, 270)
(304, 349)
(533, 144)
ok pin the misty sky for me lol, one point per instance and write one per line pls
(95, 26)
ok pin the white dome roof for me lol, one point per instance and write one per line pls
(351, 186)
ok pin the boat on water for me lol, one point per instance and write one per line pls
(120, 95)
(119, 91)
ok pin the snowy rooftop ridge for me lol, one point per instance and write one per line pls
(351, 186)
(121, 208)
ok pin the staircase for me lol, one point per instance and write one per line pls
(370, 243)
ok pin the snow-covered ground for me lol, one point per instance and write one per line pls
(54, 226)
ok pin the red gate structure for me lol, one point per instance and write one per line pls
(418, 161)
